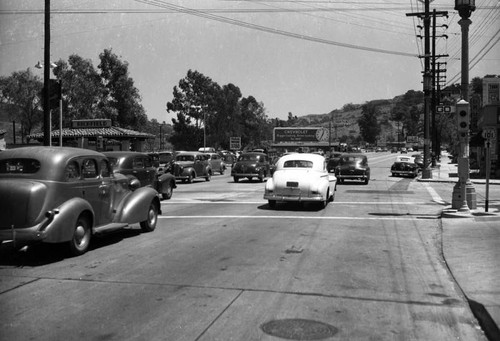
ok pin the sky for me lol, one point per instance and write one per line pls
(300, 57)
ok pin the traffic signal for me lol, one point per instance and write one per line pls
(463, 118)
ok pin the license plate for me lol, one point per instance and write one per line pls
(292, 184)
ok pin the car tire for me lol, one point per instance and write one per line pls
(149, 224)
(80, 242)
(190, 179)
(168, 192)
(209, 176)
(235, 178)
(222, 170)
(272, 203)
(366, 181)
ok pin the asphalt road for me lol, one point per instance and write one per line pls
(222, 265)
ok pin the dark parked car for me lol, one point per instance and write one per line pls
(140, 165)
(419, 160)
(404, 166)
(353, 166)
(191, 165)
(250, 165)
(68, 195)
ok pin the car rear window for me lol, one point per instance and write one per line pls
(298, 164)
(185, 158)
(248, 158)
(19, 166)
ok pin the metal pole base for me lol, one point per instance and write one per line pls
(457, 200)
(426, 173)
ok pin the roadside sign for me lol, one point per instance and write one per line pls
(235, 143)
(489, 134)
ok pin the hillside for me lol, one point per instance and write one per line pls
(344, 123)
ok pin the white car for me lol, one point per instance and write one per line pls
(300, 178)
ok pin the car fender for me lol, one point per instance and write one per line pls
(270, 184)
(60, 228)
(164, 180)
(134, 207)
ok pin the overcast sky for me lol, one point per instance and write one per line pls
(303, 57)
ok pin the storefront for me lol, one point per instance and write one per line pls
(97, 135)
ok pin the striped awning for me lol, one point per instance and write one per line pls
(111, 132)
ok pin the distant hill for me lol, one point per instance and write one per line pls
(345, 121)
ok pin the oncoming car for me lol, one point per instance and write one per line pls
(68, 195)
(301, 178)
(191, 165)
(140, 166)
(250, 165)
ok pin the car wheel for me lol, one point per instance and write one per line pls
(79, 243)
(209, 175)
(235, 178)
(272, 203)
(149, 224)
(190, 178)
(167, 194)
(222, 170)
(366, 181)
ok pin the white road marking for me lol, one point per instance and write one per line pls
(288, 217)
(435, 197)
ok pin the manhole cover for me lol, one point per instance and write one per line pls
(299, 329)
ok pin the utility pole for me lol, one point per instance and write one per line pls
(46, 76)
(426, 16)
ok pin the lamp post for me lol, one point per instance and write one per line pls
(464, 195)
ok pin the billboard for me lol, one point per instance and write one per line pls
(301, 135)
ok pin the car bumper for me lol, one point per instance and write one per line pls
(352, 176)
(28, 234)
(314, 198)
(412, 173)
(244, 175)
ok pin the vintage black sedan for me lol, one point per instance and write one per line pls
(250, 165)
(353, 166)
(141, 166)
(405, 166)
(68, 195)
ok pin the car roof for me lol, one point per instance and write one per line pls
(124, 153)
(317, 160)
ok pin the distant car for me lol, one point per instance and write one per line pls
(251, 165)
(68, 195)
(353, 166)
(394, 150)
(301, 178)
(140, 165)
(403, 150)
(216, 162)
(333, 162)
(191, 165)
(405, 166)
(419, 160)
(165, 162)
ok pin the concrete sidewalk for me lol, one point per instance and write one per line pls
(471, 249)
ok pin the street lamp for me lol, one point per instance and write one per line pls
(464, 194)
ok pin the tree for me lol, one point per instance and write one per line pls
(256, 127)
(195, 100)
(21, 92)
(82, 89)
(225, 120)
(368, 124)
(121, 98)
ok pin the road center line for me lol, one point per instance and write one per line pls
(290, 217)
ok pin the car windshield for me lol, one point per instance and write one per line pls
(298, 164)
(184, 158)
(164, 158)
(19, 166)
(351, 159)
(248, 157)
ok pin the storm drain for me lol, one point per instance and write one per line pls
(299, 329)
